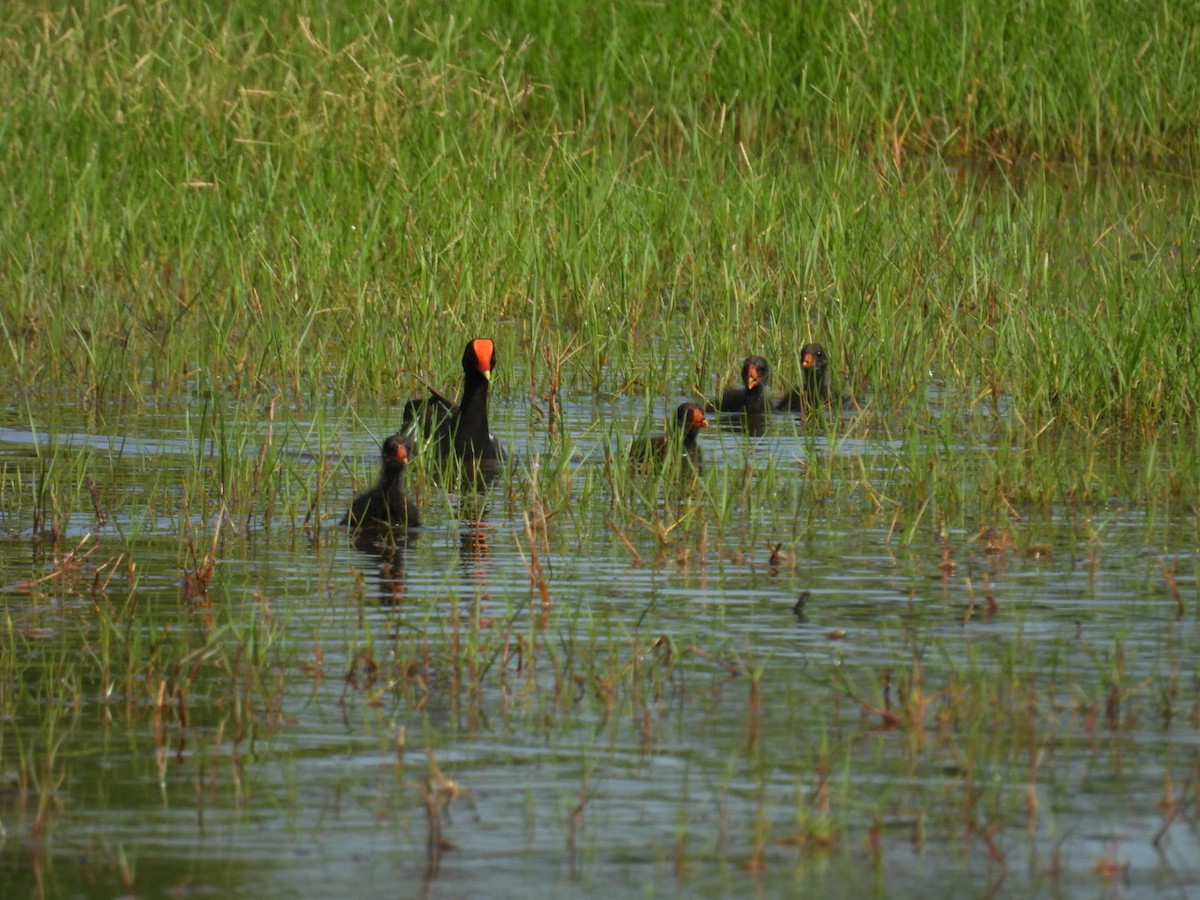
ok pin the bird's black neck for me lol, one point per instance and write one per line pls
(473, 435)
(816, 385)
(391, 477)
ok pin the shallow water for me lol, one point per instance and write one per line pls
(994, 714)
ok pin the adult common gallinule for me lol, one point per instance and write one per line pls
(752, 396)
(387, 503)
(462, 429)
(682, 431)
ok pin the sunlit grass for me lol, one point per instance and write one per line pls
(271, 203)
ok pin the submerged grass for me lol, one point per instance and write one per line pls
(969, 740)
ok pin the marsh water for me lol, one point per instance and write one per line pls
(576, 683)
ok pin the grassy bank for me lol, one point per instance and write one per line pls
(629, 198)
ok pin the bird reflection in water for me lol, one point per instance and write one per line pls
(390, 549)
(473, 538)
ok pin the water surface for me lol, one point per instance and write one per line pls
(605, 687)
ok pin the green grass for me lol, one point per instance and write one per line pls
(273, 201)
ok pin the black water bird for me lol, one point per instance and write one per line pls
(460, 430)
(387, 503)
(815, 389)
(751, 397)
(680, 438)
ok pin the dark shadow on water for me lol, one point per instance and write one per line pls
(473, 547)
(389, 549)
(751, 423)
(472, 476)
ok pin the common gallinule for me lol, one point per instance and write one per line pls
(680, 438)
(815, 389)
(752, 396)
(462, 429)
(387, 503)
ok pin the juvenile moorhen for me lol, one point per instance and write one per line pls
(682, 431)
(752, 396)
(387, 504)
(815, 389)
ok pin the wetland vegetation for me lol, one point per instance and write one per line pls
(945, 634)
